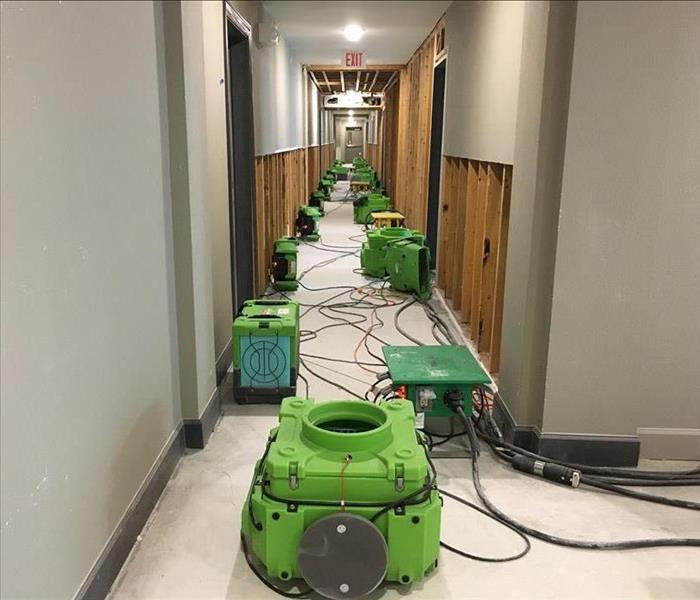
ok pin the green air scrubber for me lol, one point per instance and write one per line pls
(408, 265)
(340, 171)
(366, 174)
(429, 375)
(307, 223)
(365, 205)
(373, 253)
(265, 350)
(317, 200)
(343, 497)
(284, 264)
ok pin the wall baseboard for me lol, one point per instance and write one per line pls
(669, 443)
(223, 362)
(197, 431)
(595, 450)
(106, 569)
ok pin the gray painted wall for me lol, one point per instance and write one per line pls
(484, 42)
(624, 347)
(205, 116)
(540, 136)
(89, 390)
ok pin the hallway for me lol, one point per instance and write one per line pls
(191, 548)
(489, 389)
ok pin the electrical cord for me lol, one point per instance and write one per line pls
(546, 537)
(480, 558)
(303, 593)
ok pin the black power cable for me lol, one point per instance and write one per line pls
(546, 537)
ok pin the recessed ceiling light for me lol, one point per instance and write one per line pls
(353, 32)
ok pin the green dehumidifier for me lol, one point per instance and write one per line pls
(265, 351)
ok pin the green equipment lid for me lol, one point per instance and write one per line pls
(433, 364)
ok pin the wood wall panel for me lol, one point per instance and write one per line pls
(472, 248)
(280, 189)
(410, 170)
(390, 132)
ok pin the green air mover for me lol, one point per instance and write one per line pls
(326, 186)
(344, 498)
(330, 174)
(307, 223)
(358, 162)
(365, 205)
(317, 200)
(408, 265)
(373, 253)
(284, 264)
(429, 376)
(265, 350)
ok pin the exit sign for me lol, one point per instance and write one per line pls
(354, 59)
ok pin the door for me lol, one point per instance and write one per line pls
(241, 157)
(433, 215)
(354, 142)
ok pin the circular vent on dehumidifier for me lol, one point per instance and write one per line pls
(264, 362)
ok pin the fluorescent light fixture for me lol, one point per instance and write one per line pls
(353, 33)
(351, 112)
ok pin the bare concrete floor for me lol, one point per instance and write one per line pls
(190, 548)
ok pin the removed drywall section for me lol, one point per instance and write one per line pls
(625, 330)
(543, 99)
(89, 394)
(484, 41)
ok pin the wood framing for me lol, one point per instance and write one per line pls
(475, 207)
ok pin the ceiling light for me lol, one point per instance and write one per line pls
(353, 32)
(351, 112)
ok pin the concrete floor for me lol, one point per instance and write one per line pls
(190, 548)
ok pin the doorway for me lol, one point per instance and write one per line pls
(354, 143)
(241, 158)
(433, 216)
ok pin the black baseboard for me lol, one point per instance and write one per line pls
(197, 431)
(100, 580)
(594, 450)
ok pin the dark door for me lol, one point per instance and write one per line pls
(435, 160)
(241, 159)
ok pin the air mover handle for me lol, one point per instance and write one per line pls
(551, 471)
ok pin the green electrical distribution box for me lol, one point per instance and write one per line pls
(265, 350)
(365, 205)
(426, 374)
(326, 504)
(373, 253)
(284, 264)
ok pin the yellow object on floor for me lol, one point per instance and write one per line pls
(388, 219)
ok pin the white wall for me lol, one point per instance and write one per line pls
(624, 345)
(89, 390)
(484, 41)
(278, 89)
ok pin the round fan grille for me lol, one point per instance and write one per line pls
(264, 361)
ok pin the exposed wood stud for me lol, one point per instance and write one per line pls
(342, 82)
(325, 77)
(371, 87)
(357, 83)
